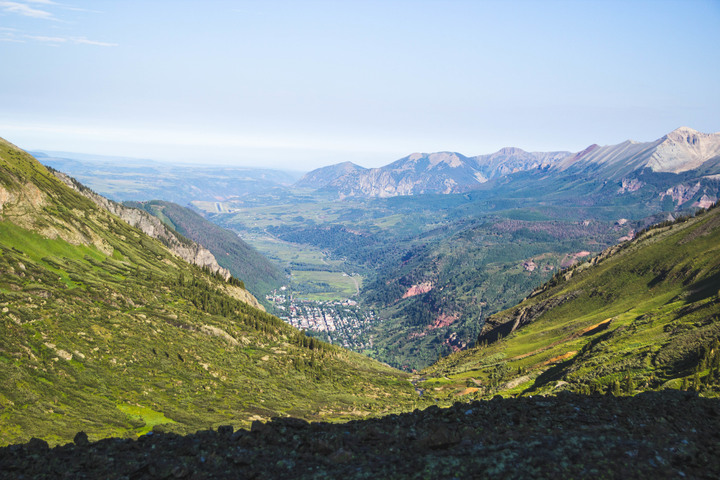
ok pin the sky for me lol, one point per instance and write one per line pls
(302, 84)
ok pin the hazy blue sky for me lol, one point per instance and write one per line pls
(299, 84)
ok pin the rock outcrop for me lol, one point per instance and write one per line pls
(184, 248)
(418, 289)
(499, 326)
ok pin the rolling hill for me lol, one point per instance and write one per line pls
(105, 330)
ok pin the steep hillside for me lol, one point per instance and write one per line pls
(185, 248)
(642, 315)
(243, 261)
(103, 329)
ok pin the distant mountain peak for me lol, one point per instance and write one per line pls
(325, 176)
(511, 151)
(683, 131)
(684, 149)
(445, 172)
(428, 161)
(452, 159)
(681, 150)
(350, 165)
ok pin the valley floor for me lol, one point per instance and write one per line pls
(668, 434)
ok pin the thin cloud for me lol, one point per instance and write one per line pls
(26, 10)
(68, 40)
(85, 41)
(10, 37)
(62, 6)
(45, 39)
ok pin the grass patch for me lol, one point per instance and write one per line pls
(145, 415)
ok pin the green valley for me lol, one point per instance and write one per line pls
(105, 331)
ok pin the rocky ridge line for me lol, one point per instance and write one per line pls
(186, 249)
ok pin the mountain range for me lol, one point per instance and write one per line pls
(680, 151)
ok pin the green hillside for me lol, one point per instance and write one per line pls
(244, 262)
(103, 330)
(474, 273)
(642, 315)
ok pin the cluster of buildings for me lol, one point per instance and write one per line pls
(343, 322)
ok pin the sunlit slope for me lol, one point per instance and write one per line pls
(257, 272)
(643, 315)
(102, 329)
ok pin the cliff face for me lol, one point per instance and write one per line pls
(186, 249)
(502, 325)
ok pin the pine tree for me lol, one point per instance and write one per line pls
(628, 385)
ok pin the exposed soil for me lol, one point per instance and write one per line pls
(669, 434)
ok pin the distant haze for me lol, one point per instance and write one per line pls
(302, 84)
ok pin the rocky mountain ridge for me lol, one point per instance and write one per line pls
(258, 274)
(183, 247)
(419, 173)
(680, 151)
(325, 176)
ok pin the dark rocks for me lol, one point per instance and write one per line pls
(81, 439)
(570, 436)
(439, 436)
(38, 446)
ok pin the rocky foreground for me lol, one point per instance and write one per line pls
(668, 434)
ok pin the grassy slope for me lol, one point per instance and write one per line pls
(243, 261)
(644, 318)
(103, 330)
